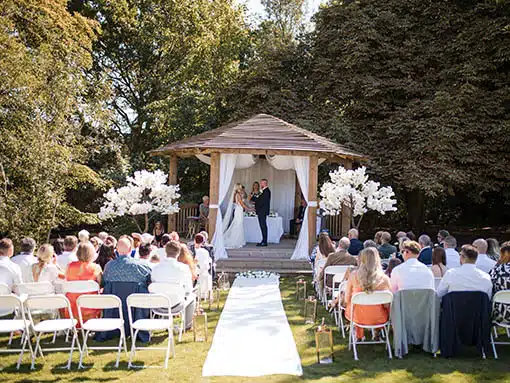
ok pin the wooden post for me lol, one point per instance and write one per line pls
(214, 191)
(312, 198)
(346, 212)
(172, 180)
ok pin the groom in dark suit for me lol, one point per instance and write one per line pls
(262, 204)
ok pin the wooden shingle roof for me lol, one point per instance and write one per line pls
(261, 134)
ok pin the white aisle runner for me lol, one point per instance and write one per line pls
(253, 336)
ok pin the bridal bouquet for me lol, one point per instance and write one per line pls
(257, 274)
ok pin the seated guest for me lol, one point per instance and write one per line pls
(83, 236)
(164, 240)
(103, 236)
(339, 258)
(10, 273)
(155, 258)
(203, 213)
(441, 235)
(111, 240)
(500, 277)
(411, 236)
(169, 270)
(394, 262)
(144, 253)
(412, 274)
(483, 262)
(401, 242)
(84, 269)
(204, 263)
(467, 277)
(400, 235)
(356, 246)
(58, 246)
(426, 249)
(438, 262)
(25, 258)
(96, 242)
(377, 238)
(321, 252)
(44, 270)
(69, 254)
(106, 254)
(493, 249)
(158, 232)
(295, 224)
(124, 276)
(368, 278)
(452, 256)
(186, 257)
(369, 243)
(137, 241)
(174, 236)
(386, 250)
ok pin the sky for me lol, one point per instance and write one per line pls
(255, 7)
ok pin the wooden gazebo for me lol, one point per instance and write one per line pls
(260, 135)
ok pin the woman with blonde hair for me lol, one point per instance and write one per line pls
(186, 257)
(368, 278)
(45, 270)
(84, 269)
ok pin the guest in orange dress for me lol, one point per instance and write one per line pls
(83, 270)
(368, 278)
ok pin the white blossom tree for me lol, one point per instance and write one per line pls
(144, 193)
(352, 189)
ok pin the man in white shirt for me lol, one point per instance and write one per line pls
(452, 256)
(169, 270)
(412, 274)
(69, 254)
(483, 262)
(467, 277)
(25, 258)
(10, 273)
(144, 254)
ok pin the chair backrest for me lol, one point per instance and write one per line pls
(335, 270)
(35, 288)
(102, 302)
(173, 291)
(338, 279)
(80, 287)
(374, 298)
(502, 296)
(48, 302)
(4, 289)
(149, 301)
(10, 303)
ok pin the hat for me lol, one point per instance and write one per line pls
(147, 238)
(137, 236)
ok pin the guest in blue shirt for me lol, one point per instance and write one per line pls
(356, 245)
(426, 249)
(124, 268)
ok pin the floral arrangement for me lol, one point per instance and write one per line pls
(257, 274)
(145, 192)
(273, 214)
(353, 189)
(250, 214)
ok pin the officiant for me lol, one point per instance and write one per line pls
(295, 224)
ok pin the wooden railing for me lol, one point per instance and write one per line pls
(334, 223)
(186, 210)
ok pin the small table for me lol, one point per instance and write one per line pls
(252, 233)
(193, 226)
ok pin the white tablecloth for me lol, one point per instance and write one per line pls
(253, 336)
(252, 233)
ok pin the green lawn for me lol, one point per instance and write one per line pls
(373, 365)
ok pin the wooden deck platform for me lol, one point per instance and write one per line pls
(275, 257)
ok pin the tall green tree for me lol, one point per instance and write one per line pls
(423, 88)
(46, 52)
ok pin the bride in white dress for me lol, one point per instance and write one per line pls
(233, 236)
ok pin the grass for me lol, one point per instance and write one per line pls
(373, 365)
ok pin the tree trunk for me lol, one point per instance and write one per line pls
(146, 228)
(416, 210)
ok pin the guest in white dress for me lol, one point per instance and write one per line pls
(204, 263)
(233, 236)
(44, 270)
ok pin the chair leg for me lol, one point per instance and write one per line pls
(494, 347)
(85, 349)
(123, 334)
(168, 347)
(37, 347)
(354, 340)
(74, 339)
(508, 332)
(341, 322)
(119, 350)
(133, 348)
(386, 332)
(10, 338)
(23, 345)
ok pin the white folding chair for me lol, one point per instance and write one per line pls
(332, 271)
(175, 292)
(14, 304)
(101, 324)
(339, 309)
(51, 302)
(6, 290)
(35, 288)
(437, 281)
(150, 301)
(80, 287)
(501, 297)
(371, 299)
(318, 266)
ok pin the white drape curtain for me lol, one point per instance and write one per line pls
(243, 161)
(302, 167)
(227, 166)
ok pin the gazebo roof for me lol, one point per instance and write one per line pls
(261, 134)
